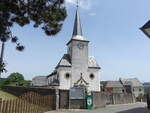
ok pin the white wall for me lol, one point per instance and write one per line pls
(65, 83)
(94, 84)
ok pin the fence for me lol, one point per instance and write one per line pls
(20, 90)
(28, 103)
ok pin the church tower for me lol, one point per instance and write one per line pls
(78, 50)
(76, 68)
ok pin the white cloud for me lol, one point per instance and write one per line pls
(71, 1)
(85, 4)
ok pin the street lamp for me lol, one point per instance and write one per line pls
(146, 29)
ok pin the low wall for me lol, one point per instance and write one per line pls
(123, 98)
(101, 99)
(63, 99)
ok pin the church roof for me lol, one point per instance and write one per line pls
(66, 61)
(92, 62)
(77, 30)
(147, 25)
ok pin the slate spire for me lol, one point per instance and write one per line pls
(77, 30)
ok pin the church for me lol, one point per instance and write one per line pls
(76, 68)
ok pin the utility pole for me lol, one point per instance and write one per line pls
(1, 57)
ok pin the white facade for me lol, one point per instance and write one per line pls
(76, 67)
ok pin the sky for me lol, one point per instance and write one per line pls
(111, 26)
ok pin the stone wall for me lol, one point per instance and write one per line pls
(101, 99)
(123, 98)
(63, 99)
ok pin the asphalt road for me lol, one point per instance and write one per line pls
(130, 108)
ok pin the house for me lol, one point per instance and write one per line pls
(53, 79)
(133, 85)
(112, 86)
(39, 81)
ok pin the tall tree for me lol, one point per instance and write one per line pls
(47, 14)
(14, 78)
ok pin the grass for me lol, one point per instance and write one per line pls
(5, 96)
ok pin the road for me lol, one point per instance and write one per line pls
(130, 108)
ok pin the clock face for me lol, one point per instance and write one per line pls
(80, 45)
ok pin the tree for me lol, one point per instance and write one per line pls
(15, 79)
(47, 14)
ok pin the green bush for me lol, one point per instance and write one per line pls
(15, 79)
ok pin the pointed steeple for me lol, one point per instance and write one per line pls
(77, 24)
(77, 30)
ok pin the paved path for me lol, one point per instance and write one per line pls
(130, 108)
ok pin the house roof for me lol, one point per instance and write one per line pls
(132, 81)
(111, 84)
(39, 78)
